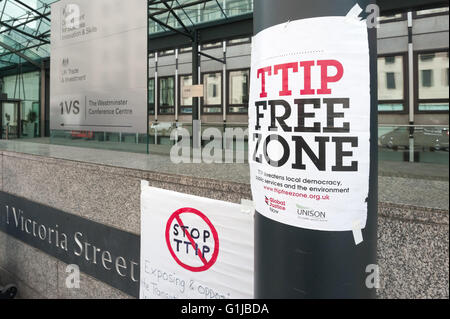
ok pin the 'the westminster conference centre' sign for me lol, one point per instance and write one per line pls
(99, 65)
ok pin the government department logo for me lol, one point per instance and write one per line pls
(71, 16)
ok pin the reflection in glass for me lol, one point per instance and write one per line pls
(433, 76)
(166, 95)
(213, 92)
(151, 96)
(185, 80)
(239, 91)
(390, 78)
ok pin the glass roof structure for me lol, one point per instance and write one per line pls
(186, 14)
(25, 24)
(24, 31)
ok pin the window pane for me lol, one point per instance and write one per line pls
(185, 80)
(433, 106)
(427, 78)
(432, 11)
(211, 11)
(433, 76)
(167, 52)
(239, 41)
(389, 59)
(166, 92)
(23, 86)
(390, 107)
(186, 49)
(390, 17)
(238, 87)
(211, 45)
(213, 88)
(237, 7)
(167, 110)
(390, 78)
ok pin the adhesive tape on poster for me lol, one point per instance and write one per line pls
(357, 233)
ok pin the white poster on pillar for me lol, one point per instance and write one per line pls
(310, 123)
(194, 247)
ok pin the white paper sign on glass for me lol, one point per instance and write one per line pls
(99, 66)
(194, 247)
(310, 123)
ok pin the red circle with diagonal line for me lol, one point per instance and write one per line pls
(206, 263)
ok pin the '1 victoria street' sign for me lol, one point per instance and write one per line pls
(108, 254)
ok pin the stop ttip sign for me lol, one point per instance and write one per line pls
(192, 239)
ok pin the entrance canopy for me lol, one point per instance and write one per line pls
(185, 15)
(24, 31)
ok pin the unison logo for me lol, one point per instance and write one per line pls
(311, 213)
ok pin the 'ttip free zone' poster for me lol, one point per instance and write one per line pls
(310, 123)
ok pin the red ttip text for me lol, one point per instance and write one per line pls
(325, 67)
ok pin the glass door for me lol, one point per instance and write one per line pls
(10, 120)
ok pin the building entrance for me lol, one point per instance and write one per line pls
(10, 119)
